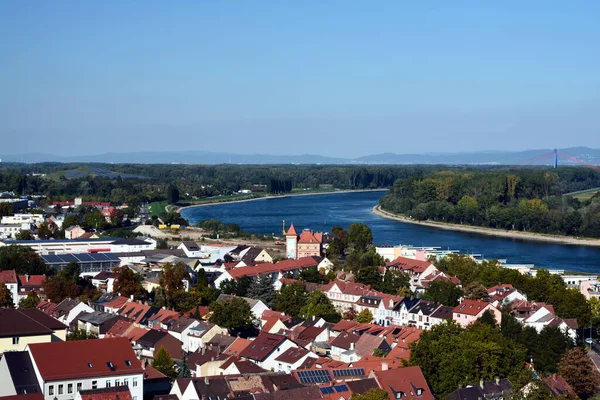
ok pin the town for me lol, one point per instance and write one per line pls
(310, 315)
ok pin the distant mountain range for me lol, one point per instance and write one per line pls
(527, 157)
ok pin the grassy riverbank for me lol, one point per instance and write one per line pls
(540, 237)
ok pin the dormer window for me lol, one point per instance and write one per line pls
(90, 365)
(128, 363)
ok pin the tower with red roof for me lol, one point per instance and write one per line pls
(291, 242)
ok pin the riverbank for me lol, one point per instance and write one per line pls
(278, 196)
(539, 237)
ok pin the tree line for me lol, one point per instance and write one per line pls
(513, 199)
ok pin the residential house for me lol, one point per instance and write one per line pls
(85, 365)
(20, 327)
(17, 376)
(74, 232)
(273, 271)
(9, 278)
(500, 295)
(292, 359)
(130, 246)
(404, 383)
(180, 328)
(345, 295)
(31, 283)
(559, 387)
(96, 322)
(192, 250)
(418, 271)
(470, 311)
(266, 348)
(422, 313)
(590, 289)
(109, 302)
(147, 346)
(367, 344)
(498, 389)
(343, 347)
(545, 316)
(104, 281)
(110, 393)
(201, 334)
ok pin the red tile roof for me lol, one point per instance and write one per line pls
(260, 348)
(109, 393)
(34, 280)
(28, 396)
(8, 276)
(117, 302)
(151, 373)
(371, 363)
(352, 288)
(344, 340)
(406, 381)
(238, 346)
(291, 231)
(471, 307)
(84, 358)
(502, 288)
(266, 268)
(405, 264)
(292, 355)
(559, 386)
(308, 237)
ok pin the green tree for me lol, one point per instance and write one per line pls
(319, 305)
(291, 299)
(578, 370)
(487, 318)
(262, 289)
(163, 363)
(312, 275)
(172, 276)
(23, 260)
(234, 314)
(444, 292)
(475, 291)
(372, 394)
(172, 194)
(6, 300)
(80, 334)
(360, 236)
(369, 275)
(70, 220)
(364, 317)
(24, 235)
(393, 282)
(5, 209)
(184, 370)
(450, 356)
(128, 283)
(31, 301)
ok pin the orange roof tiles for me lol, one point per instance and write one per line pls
(404, 263)
(291, 231)
(8, 276)
(471, 307)
(266, 268)
(238, 346)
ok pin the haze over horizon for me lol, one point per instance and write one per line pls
(335, 78)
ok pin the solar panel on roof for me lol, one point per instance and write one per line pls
(314, 376)
(349, 372)
(340, 388)
(327, 390)
(83, 257)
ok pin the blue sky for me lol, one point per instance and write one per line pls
(339, 78)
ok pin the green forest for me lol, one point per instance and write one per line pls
(191, 181)
(512, 199)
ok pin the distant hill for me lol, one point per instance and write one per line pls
(527, 157)
(95, 171)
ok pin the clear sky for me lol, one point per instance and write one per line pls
(339, 78)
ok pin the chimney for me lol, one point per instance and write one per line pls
(384, 366)
(203, 350)
(26, 277)
(351, 346)
(206, 380)
(131, 298)
(481, 383)
(498, 380)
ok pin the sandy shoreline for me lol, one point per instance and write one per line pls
(540, 237)
(179, 209)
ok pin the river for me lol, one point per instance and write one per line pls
(321, 212)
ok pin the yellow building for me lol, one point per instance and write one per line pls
(20, 327)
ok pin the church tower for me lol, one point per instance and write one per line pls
(291, 242)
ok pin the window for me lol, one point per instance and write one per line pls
(16, 340)
(70, 388)
(107, 383)
(128, 363)
(117, 382)
(94, 384)
(51, 390)
(134, 382)
(134, 397)
(79, 384)
(60, 389)
(126, 382)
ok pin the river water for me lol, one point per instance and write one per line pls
(321, 212)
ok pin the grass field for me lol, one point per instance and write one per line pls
(583, 195)
(157, 207)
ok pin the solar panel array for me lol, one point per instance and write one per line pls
(78, 258)
(327, 390)
(314, 376)
(340, 388)
(348, 372)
